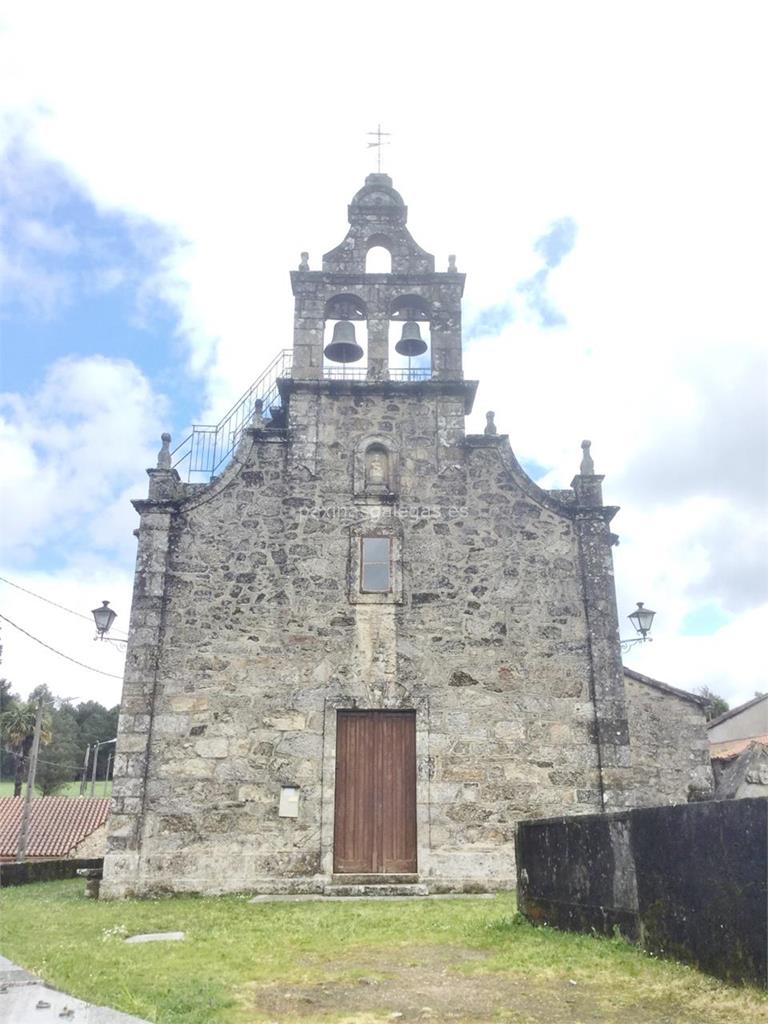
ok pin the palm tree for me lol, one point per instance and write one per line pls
(17, 727)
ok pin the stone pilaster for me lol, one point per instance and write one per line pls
(308, 328)
(122, 862)
(378, 347)
(446, 335)
(592, 520)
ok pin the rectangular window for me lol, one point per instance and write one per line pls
(375, 571)
(289, 802)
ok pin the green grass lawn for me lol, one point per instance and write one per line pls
(359, 963)
(70, 789)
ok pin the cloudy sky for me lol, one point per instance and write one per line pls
(598, 168)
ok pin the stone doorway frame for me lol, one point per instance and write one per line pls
(423, 774)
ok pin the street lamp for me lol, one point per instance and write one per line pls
(642, 619)
(104, 617)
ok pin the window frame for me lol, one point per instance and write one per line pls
(371, 562)
(372, 529)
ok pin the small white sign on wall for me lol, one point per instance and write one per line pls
(289, 802)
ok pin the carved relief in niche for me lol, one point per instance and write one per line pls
(378, 477)
(375, 471)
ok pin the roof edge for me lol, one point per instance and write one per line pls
(673, 691)
(735, 711)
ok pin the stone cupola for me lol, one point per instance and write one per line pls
(377, 216)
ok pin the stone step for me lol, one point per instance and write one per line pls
(368, 891)
(374, 879)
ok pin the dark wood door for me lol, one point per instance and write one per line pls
(375, 822)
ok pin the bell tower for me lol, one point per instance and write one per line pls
(344, 294)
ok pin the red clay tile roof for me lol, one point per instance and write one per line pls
(727, 749)
(57, 824)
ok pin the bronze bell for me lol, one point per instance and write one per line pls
(411, 342)
(343, 347)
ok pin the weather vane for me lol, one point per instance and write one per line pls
(378, 144)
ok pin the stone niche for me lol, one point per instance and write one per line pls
(376, 469)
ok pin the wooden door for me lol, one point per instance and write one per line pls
(375, 822)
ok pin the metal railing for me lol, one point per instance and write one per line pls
(415, 373)
(342, 373)
(204, 452)
(361, 373)
(207, 449)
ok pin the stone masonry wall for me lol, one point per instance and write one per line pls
(247, 636)
(670, 751)
(260, 645)
(92, 846)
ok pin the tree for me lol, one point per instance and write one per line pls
(7, 700)
(6, 697)
(17, 728)
(97, 724)
(62, 758)
(715, 704)
(67, 733)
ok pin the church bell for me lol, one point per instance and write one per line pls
(343, 347)
(411, 342)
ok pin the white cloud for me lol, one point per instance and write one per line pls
(41, 291)
(73, 455)
(39, 235)
(68, 449)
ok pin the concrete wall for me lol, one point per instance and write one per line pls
(44, 870)
(687, 881)
(752, 721)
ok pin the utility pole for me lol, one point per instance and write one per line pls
(21, 852)
(106, 777)
(84, 776)
(93, 770)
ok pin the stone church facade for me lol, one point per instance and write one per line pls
(370, 644)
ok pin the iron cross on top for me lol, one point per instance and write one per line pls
(378, 144)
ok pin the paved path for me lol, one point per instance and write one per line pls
(21, 992)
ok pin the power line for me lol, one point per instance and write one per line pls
(41, 760)
(61, 764)
(47, 600)
(41, 598)
(60, 653)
